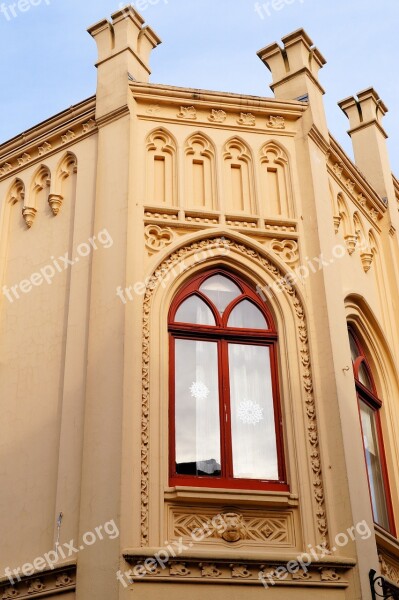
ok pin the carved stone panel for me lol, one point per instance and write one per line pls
(230, 526)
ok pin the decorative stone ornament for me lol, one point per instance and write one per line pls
(187, 112)
(157, 238)
(351, 241)
(367, 260)
(276, 122)
(247, 119)
(235, 527)
(217, 116)
(337, 223)
(55, 201)
(29, 215)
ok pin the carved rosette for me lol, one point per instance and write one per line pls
(10, 592)
(24, 159)
(157, 237)
(44, 149)
(240, 571)
(180, 570)
(287, 250)
(187, 112)
(36, 586)
(329, 575)
(276, 122)
(312, 426)
(247, 119)
(217, 116)
(209, 570)
(68, 137)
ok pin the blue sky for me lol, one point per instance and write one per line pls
(47, 57)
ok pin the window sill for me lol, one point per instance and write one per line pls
(229, 496)
(386, 541)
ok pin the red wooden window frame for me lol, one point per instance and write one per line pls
(371, 399)
(224, 335)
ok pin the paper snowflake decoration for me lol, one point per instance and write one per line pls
(199, 391)
(250, 412)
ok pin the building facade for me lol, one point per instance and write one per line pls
(199, 340)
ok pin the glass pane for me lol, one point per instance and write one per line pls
(247, 315)
(354, 350)
(194, 310)
(252, 413)
(373, 461)
(221, 291)
(364, 377)
(197, 408)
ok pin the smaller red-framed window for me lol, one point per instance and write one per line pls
(373, 443)
(225, 415)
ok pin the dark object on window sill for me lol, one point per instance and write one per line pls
(203, 468)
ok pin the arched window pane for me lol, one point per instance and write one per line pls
(373, 460)
(247, 315)
(221, 291)
(364, 377)
(194, 310)
(353, 346)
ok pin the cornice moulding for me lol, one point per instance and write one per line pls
(43, 130)
(341, 157)
(396, 186)
(113, 116)
(225, 555)
(304, 70)
(373, 123)
(237, 567)
(175, 95)
(44, 141)
(319, 139)
(59, 580)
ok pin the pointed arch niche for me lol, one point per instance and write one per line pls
(39, 193)
(161, 169)
(200, 177)
(65, 183)
(276, 181)
(238, 177)
(10, 214)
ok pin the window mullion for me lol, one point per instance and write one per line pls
(226, 411)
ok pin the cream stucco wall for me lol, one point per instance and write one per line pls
(84, 358)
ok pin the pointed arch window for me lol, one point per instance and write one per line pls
(225, 418)
(369, 410)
